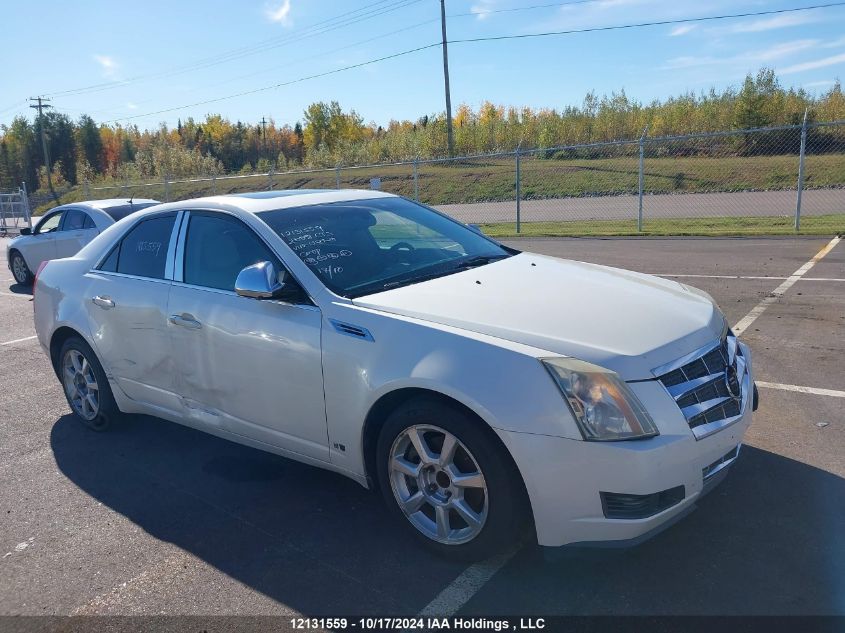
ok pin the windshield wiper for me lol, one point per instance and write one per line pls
(478, 260)
(442, 271)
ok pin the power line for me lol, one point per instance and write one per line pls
(15, 105)
(320, 28)
(496, 38)
(294, 62)
(485, 39)
(391, 5)
(280, 85)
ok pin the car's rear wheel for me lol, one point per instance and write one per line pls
(451, 484)
(85, 385)
(20, 271)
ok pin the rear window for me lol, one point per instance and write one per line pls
(143, 250)
(120, 212)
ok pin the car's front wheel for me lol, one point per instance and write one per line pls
(448, 481)
(20, 271)
(85, 385)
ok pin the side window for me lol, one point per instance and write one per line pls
(217, 248)
(143, 250)
(88, 223)
(49, 224)
(74, 220)
(110, 263)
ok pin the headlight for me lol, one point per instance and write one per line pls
(603, 405)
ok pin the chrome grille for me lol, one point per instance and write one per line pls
(701, 384)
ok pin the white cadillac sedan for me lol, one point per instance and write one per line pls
(480, 389)
(62, 231)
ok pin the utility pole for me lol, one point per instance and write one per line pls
(40, 106)
(264, 134)
(450, 141)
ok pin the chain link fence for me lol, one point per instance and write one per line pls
(14, 211)
(767, 180)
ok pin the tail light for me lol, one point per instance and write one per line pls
(41, 267)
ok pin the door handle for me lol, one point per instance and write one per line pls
(103, 302)
(185, 320)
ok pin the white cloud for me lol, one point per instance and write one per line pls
(482, 8)
(783, 50)
(602, 13)
(131, 106)
(279, 13)
(689, 61)
(681, 30)
(824, 83)
(770, 24)
(108, 64)
(818, 63)
(754, 57)
(835, 43)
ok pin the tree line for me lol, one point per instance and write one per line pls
(83, 150)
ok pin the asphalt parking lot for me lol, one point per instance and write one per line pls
(155, 518)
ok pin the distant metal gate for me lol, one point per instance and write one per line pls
(14, 211)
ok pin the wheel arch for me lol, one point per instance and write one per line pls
(58, 339)
(14, 250)
(392, 400)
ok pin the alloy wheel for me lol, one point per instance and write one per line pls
(80, 384)
(19, 269)
(438, 484)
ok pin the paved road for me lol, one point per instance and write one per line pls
(690, 205)
(157, 518)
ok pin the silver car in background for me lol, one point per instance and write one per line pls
(63, 231)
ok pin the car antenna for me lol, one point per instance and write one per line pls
(130, 200)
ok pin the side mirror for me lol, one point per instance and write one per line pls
(25, 230)
(476, 228)
(261, 281)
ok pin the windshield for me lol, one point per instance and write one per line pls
(360, 247)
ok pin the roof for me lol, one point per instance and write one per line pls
(256, 202)
(111, 202)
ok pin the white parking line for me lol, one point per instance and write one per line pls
(19, 340)
(458, 592)
(797, 388)
(14, 294)
(743, 277)
(778, 292)
(715, 276)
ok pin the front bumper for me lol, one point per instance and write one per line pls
(565, 478)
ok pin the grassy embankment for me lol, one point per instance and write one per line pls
(486, 180)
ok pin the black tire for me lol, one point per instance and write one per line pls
(20, 271)
(106, 411)
(507, 509)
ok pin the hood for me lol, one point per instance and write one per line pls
(625, 321)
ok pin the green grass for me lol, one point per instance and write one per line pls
(715, 226)
(488, 180)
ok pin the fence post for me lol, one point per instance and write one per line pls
(518, 191)
(270, 179)
(166, 189)
(214, 184)
(641, 179)
(27, 210)
(801, 172)
(86, 190)
(416, 182)
(337, 176)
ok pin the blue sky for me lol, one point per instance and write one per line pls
(249, 44)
